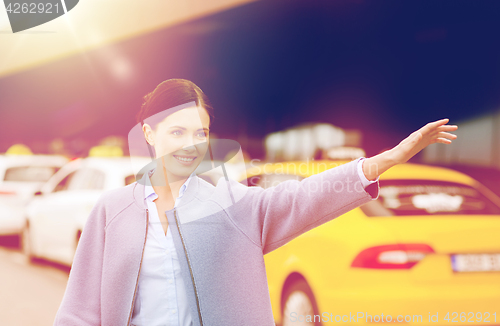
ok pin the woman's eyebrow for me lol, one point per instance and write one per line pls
(179, 127)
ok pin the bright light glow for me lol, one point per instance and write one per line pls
(93, 23)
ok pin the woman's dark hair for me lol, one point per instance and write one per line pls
(171, 93)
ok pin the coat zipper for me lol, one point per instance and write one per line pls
(189, 265)
(139, 273)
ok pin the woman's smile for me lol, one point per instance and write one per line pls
(185, 159)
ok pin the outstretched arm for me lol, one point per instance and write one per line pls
(433, 132)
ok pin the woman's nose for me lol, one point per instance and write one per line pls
(189, 143)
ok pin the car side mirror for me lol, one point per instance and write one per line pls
(38, 193)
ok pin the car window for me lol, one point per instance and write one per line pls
(271, 180)
(64, 183)
(88, 179)
(30, 173)
(429, 197)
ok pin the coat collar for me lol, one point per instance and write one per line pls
(150, 190)
(189, 193)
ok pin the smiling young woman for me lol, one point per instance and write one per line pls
(172, 249)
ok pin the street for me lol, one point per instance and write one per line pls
(31, 292)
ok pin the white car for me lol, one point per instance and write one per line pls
(20, 177)
(57, 215)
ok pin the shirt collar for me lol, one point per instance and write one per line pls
(149, 190)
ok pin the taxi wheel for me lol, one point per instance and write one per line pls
(298, 304)
(27, 244)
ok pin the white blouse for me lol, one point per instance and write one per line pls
(161, 294)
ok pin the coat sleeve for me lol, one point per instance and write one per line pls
(274, 216)
(81, 305)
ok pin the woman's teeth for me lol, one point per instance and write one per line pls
(184, 159)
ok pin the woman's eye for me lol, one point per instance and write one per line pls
(176, 132)
(202, 134)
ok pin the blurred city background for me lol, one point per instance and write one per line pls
(289, 80)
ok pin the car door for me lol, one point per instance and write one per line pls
(89, 186)
(45, 223)
(73, 208)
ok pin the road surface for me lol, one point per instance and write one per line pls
(30, 292)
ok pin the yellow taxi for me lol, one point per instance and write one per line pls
(427, 251)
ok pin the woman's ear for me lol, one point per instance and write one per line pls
(148, 134)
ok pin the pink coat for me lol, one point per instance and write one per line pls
(220, 245)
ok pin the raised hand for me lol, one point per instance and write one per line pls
(433, 132)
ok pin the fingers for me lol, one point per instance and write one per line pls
(443, 141)
(447, 128)
(447, 135)
(433, 132)
(439, 122)
(434, 128)
(431, 126)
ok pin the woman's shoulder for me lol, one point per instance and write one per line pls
(124, 192)
(229, 191)
(117, 199)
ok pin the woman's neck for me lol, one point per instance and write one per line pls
(166, 186)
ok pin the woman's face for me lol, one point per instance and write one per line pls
(181, 139)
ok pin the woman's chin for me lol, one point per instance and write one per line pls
(181, 170)
(184, 171)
